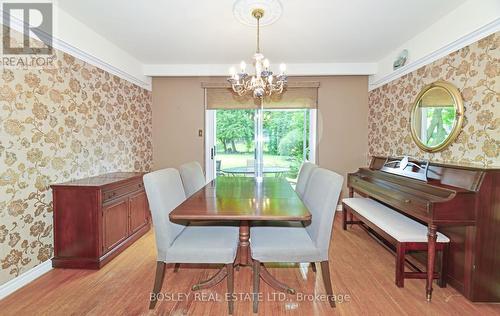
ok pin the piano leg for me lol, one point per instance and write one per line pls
(431, 255)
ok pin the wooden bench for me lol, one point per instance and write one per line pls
(399, 230)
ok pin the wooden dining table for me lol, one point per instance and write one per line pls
(243, 200)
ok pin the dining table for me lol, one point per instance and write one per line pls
(243, 201)
(236, 171)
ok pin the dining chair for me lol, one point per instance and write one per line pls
(218, 168)
(177, 243)
(303, 178)
(250, 163)
(301, 243)
(192, 177)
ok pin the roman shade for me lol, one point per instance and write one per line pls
(297, 95)
(436, 98)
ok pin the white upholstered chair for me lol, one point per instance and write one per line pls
(299, 243)
(304, 175)
(192, 177)
(178, 243)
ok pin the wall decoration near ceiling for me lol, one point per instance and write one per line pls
(400, 60)
(69, 122)
(475, 71)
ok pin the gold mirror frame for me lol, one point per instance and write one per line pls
(459, 114)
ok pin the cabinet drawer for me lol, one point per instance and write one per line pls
(121, 191)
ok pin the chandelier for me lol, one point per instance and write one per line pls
(264, 82)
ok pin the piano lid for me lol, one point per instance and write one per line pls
(407, 167)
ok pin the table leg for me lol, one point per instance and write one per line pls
(213, 281)
(244, 258)
(272, 282)
(431, 254)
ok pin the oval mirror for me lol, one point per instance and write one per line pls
(437, 116)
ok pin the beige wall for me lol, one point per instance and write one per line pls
(343, 123)
(178, 114)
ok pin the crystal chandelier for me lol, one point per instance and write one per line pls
(264, 82)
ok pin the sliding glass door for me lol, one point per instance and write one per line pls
(288, 141)
(233, 139)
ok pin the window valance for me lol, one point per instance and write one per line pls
(297, 95)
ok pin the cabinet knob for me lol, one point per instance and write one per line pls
(407, 201)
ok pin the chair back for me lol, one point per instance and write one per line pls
(165, 192)
(192, 177)
(321, 198)
(303, 178)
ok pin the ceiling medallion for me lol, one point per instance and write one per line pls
(243, 9)
(264, 81)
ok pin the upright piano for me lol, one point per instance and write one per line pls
(462, 202)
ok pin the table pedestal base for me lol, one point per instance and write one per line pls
(213, 281)
(272, 282)
(244, 259)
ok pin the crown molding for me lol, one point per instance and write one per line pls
(63, 46)
(13, 285)
(93, 60)
(466, 40)
(305, 69)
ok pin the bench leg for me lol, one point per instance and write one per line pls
(400, 264)
(351, 194)
(344, 217)
(443, 258)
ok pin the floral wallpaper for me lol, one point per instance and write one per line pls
(475, 71)
(67, 122)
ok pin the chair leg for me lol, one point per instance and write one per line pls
(313, 266)
(160, 275)
(230, 287)
(400, 264)
(325, 271)
(176, 267)
(256, 285)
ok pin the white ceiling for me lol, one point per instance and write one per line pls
(205, 32)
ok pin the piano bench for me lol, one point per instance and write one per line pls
(399, 230)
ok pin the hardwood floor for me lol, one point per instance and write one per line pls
(360, 268)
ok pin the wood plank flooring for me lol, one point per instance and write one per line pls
(360, 268)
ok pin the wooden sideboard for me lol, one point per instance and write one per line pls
(96, 218)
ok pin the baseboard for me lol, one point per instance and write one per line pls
(25, 278)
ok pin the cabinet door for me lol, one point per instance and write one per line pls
(138, 211)
(115, 224)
